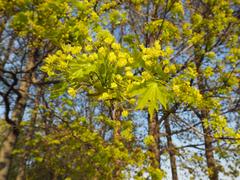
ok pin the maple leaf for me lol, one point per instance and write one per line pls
(150, 95)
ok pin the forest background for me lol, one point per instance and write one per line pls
(125, 89)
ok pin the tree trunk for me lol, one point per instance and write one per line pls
(203, 114)
(21, 169)
(17, 115)
(208, 139)
(153, 130)
(171, 150)
(115, 113)
(209, 151)
(22, 165)
(5, 154)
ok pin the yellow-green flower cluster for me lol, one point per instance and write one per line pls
(150, 55)
(183, 92)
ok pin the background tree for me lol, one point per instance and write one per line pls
(126, 89)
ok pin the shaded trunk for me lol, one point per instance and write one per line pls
(209, 150)
(117, 128)
(213, 170)
(5, 154)
(22, 165)
(21, 169)
(17, 115)
(208, 139)
(153, 130)
(203, 115)
(171, 150)
(115, 113)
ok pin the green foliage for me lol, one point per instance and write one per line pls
(178, 59)
(150, 95)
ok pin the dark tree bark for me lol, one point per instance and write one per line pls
(5, 154)
(153, 130)
(203, 115)
(16, 118)
(22, 165)
(171, 149)
(209, 150)
(115, 113)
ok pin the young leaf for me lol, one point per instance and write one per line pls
(150, 96)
